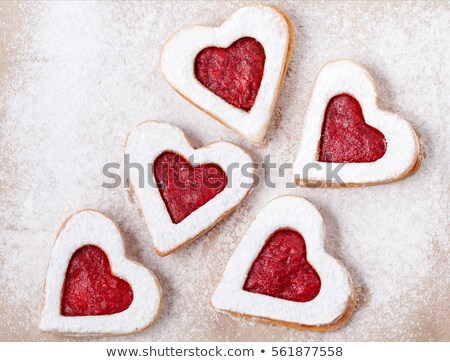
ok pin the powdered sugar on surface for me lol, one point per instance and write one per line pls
(77, 77)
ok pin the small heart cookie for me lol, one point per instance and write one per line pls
(345, 128)
(235, 71)
(187, 191)
(281, 274)
(90, 287)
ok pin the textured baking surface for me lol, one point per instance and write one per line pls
(75, 78)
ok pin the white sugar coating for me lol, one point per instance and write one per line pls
(77, 77)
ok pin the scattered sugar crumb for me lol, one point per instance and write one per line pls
(76, 77)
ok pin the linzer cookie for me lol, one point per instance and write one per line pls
(190, 190)
(91, 288)
(235, 71)
(344, 126)
(281, 274)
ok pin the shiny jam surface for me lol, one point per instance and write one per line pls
(346, 137)
(234, 73)
(185, 188)
(90, 288)
(281, 269)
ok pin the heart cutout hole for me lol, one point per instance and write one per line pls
(346, 137)
(90, 288)
(234, 73)
(282, 270)
(185, 188)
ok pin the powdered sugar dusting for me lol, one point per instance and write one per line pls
(79, 76)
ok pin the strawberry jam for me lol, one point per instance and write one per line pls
(234, 73)
(90, 288)
(346, 137)
(281, 269)
(185, 188)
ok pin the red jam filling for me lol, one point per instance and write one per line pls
(185, 188)
(90, 288)
(346, 137)
(281, 269)
(234, 73)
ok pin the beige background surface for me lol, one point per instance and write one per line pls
(76, 77)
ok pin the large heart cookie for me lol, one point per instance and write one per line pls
(187, 191)
(233, 72)
(281, 274)
(90, 287)
(345, 128)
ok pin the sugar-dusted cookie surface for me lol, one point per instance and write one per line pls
(344, 125)
(185, 191)
(91, 288)
(281, 274)
(233, 72)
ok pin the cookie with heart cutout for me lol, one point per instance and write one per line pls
(91, 288)
(233, 72)
(281, 274)
(345, 131)
(187, 190)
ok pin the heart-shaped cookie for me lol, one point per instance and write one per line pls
(281, 274)
(345, 131)
(90, 287)
(186, 191)
(235, 71)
